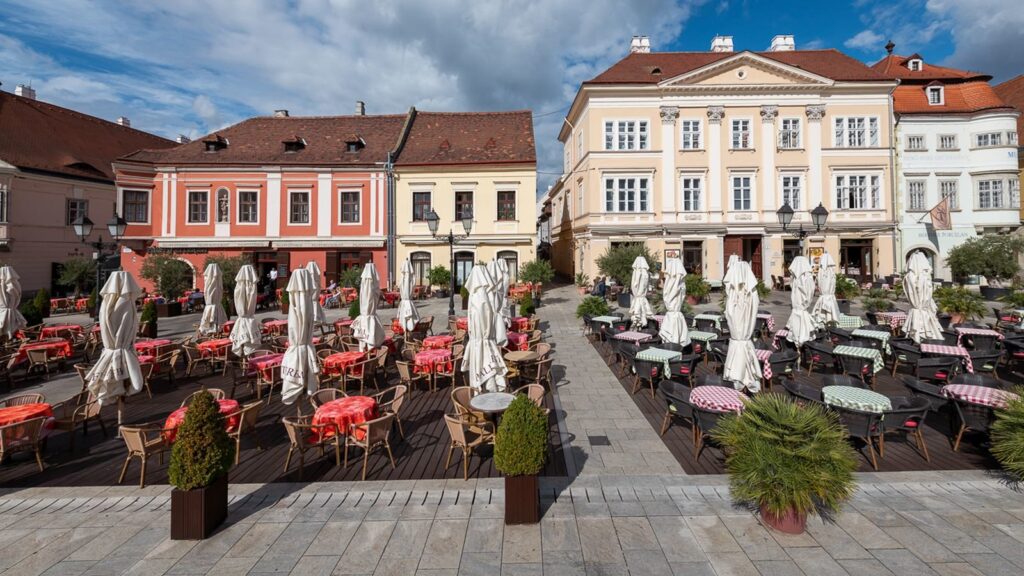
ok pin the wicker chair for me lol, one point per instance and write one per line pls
(973, 418)
(803, 393)
(325, 395)
(862, 425)
(408, 377)
(22, 399)
(941, 369)
(784, 365)
(534, 392)
(142, 442)
(706, 420)
(817, 353)
(41, 358)
(677, 404)
(303, 435)
(81, 409)
(460, 397)
(217, 394)
(391, 400)
(466, 435)
(375, 433)
(684, 369)
(987, 361)
(649, 371)
(904, 353)
(363, 372)
(23, 437)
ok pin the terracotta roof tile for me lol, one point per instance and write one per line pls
(958, 98)
(470, 138)
(1012, 92)
(895, 66)
(36, 135)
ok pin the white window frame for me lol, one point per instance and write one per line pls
(873, 199)
(733, 134)
(359, 194)
(579, 145)
(752, 189)
(188, 206)
(5, 207)
(641, 132)
(149, 204)
(992, 139)
(698, 179)
(790, 138)
(954, 193)
(930, 90)
(915, 65)
(910, 141)
(843, 130)
(687, 138)
(912, 184)
(786, 189)
(995, 189)
(309, 206)
(568, 158)
(618, 199)
(1011, 138)
(238, 206)
(68, 220)
(955, 146)
(1013, 187)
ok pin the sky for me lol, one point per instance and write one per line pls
(194, 66)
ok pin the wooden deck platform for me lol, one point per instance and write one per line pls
(98, 460)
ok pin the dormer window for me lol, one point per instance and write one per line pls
(936, 97)
(354, 143)
(294, 145)
(915, 65)
(216, 143)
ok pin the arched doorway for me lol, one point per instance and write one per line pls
(928, 253)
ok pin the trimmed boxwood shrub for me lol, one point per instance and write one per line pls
(33, 316)
(353, 309)
(203, 451)
(148, 314)
(521, 445)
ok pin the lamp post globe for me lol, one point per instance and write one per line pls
(116, 226)
(819, 216)
(83, 227)
(432, 222)
(785, 215)
(467, 221)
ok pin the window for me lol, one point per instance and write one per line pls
(625, 135)
(741, 193)
(691, 194)
(566, 161)
(420, 268)
(915, 65)
(915, 143)
(950, 189)
(420, 206)
(856, 132)
(791, 188)
(3, 203)
(858, 192)
(579, 145)
(693, 257)
(690, 134)
(512, 261)
(248, 207)
(223, 206)
(298, 206)
(506, 205)
(198, 206)
(789, 135)
(135, 204)
(990, 194)
(348, 206)
(625, 194)
(935, 96)
(948, 142)
(988, 139)
(74, 208)
(463, 204)
(915, 195)
(1014, 193)
(741, 134)
(1011, 138)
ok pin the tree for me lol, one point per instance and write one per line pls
(79, 273)
(170, 275)
(994, 257)
(536, 271)
(229, 267)
(617, 261)
(350, 277)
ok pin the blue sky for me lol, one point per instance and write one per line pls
(194, 66)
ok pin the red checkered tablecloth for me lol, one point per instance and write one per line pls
(764, 357)
(265, 364)
(520, 323)
(944, 350)
(340, 362)
(895, 319)
(769, 321)
(632, 336)
(213, 347)
(961, 332)
(717, 398)
(275, 326)
(226, 406)
(56, 348)
(982, 395)
(780, 334)
(151, 347)
(59, 331)
(438, 342)
(518, 341)
(429, 361)
(345, 412)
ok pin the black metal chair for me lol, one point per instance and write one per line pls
(784, 365)
(802, 392)
(907, 417)
(905, 354)
(684, 369)
(839, 336)
(673, 347)
(706, 420)
(709, 380)
(941, 369)
(677, 401)
(863, 426)
(649, 371)
(719, 352)
(863, 368)
(625, 353)
(981, 342)
(973, 418)
(950, 338)
(842, 380)
(976, 380)
(818, 353)
(987, 361)
(706, 325)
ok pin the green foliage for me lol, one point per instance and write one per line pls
(878, 300)
(846, 287)
(993, 256)
(617, 261)
(781, 455)
(353, 308)
(959, 300)
(592, 306)
(536, 271)
(94, 299)
(170, 276)
(350, 277)
(33, 315)
(229, 267)
(526, 305)
(41, 300)
(439, 276)
(285, 298)
(762, 290)
(582, 279)
(79, 273)
(203, 451)
(521, 445)
(464, 293)
(1014, 299)
(1007, 437)
(148, 313)
(697, 287)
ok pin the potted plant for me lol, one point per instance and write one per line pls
(353, 309)
(696, 289)
(1007, 437)
(148, 321)
(284, 301)
(33, 317)
(200, 460)
(846, 289)
(877, 300)
(762, 290)
(170, 277)
(993, 256)
(617, 263)
(93, 303)
(520, 449)
(582, 283)
(962, 304)
(526, 306)
(788, 460)
(442, 278)
(464, 294)
(592, 306)
(538, 273)
(42, 302)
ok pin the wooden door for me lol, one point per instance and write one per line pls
(732, 245)
(754, 245)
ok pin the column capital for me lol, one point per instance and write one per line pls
(715, 114)
(769, 113)
(815, 112)
(669, 114)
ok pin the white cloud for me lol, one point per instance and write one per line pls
(988, 35)
(865, 40)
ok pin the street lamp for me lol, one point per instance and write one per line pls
(115, 227)
(467, 224)
(818, 217)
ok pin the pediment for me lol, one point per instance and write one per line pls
(746, 69)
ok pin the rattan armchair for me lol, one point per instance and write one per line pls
(22, 399)
(303, 435)
(467, 435)
(248, 416)
(217, 394)
(81, 409)
(391, 400)
(143, 441)
(24, 436)
(374, 434)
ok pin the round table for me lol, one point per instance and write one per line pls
(437, 342)
(23, 412)
(518, 341)
(717, 398)
(430, 361)
(150, 347)
(491, 402)
(58, 348)
(339, 362)
(345, 412)
(855, 398)
(981, 395)
(518, 356)
(265, 364)
(176, 418)
(213, 347)
(57, 330)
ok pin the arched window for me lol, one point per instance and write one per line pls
(223, 206)
(464, 262)
(420, 268)
(511, 258)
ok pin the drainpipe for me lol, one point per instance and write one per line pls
(389, 172)
(897, 243)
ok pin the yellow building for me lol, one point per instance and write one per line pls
(693, 153)
(483, 164)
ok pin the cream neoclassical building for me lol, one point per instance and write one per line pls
(484, 163)
(694, 152)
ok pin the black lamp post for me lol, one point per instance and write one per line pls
(818, 217)
(467, 224)
(115, 227)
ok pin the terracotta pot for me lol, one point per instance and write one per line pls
(582, 290)
(522, 500)
(195, 514)
(956, 318)
(284, 308)
(788, 522)
(692, 300)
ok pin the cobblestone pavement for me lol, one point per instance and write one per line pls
(627, 508)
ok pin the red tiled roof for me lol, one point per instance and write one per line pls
(36, 135)
(637, 68)
(1012, 92)
(972, 96)
(895, 66)
(260, 141)
(470, 138)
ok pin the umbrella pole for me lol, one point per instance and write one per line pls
(120, 414)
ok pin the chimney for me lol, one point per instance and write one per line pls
(124, 121)
(721, 44)
(25, 92)
(182, 139)
(280, 113)
(640, 44)
(360, 108)
(783, 43)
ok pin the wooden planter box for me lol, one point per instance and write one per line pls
(284, 308)
(522, 500)
(195, 514)
(844, 306)
(168, 309)
(623, 300)
(148, 330)
(993, 294)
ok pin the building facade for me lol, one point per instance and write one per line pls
(55, 165)
(1012, 92)
(956, 139)
(693, 153)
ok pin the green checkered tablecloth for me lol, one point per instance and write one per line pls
(856, 352)
(609, 320)
(702, 336)
(659, 355)
(875, 335)
(717, 319)
(847, 322)
(855, 398)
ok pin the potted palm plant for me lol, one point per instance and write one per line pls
(1008, 437)
(284, 301)
(582, 283)
(846, 289)
(200, 460)
(520, 449)
(788, 460)
(696, 289)
(959, 302)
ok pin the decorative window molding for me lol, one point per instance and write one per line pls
(626, 135)
(855, 132)
(691, 187)
(299, 207)
(626, 193)
(916, 195)
(741, 186)
(949, 188)
(248, 212)
(789, 134)
(792, 186)
(858, 191)
(73, 208)
(916, 143)
(742, 135)
(936, 95)
(691, 137)
(988, 139)
(990, 194)
(135, 206)
(350, 204)
(948, 142)
(198, 207)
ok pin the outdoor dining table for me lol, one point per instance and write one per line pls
(265, 364)
(81, 304)
(717, 398)
(151, 347)
(518, 341)
(391, 297)
(880, 335)
(58, 303)
(765, 358)
(437, 342)
(769, 321)
(858, 352)
(213, 347)
(964, 331)
(855, 398)
(23, 412)
(431, 361)
(609, 320)
(636, 338)
(345, 413)
(175, 419)
(982, 395)
(462, 323)
(895, 319)
(275, 326)
(146, 358)
(849, 322)
(57, 348)
(945, 350)
(659, 355)
(716, 318)
(519, 323)
(491, 403)
(58, 330)
(782, 333)
(520, 356)
(227, 326)
(338, 363)
(396, 326)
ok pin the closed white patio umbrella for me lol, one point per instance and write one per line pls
(506, 280)
(917, 285)
(318, 311)
(741, 301)
(801, 323)
(494, 278)
(213, 292)
(119, 323)
(483, 361)
(826, 309)
(11, 319)
(299, 366)
(245, 334)
(408, 316)
(639, 307)
(673, 326)
(366, 327)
